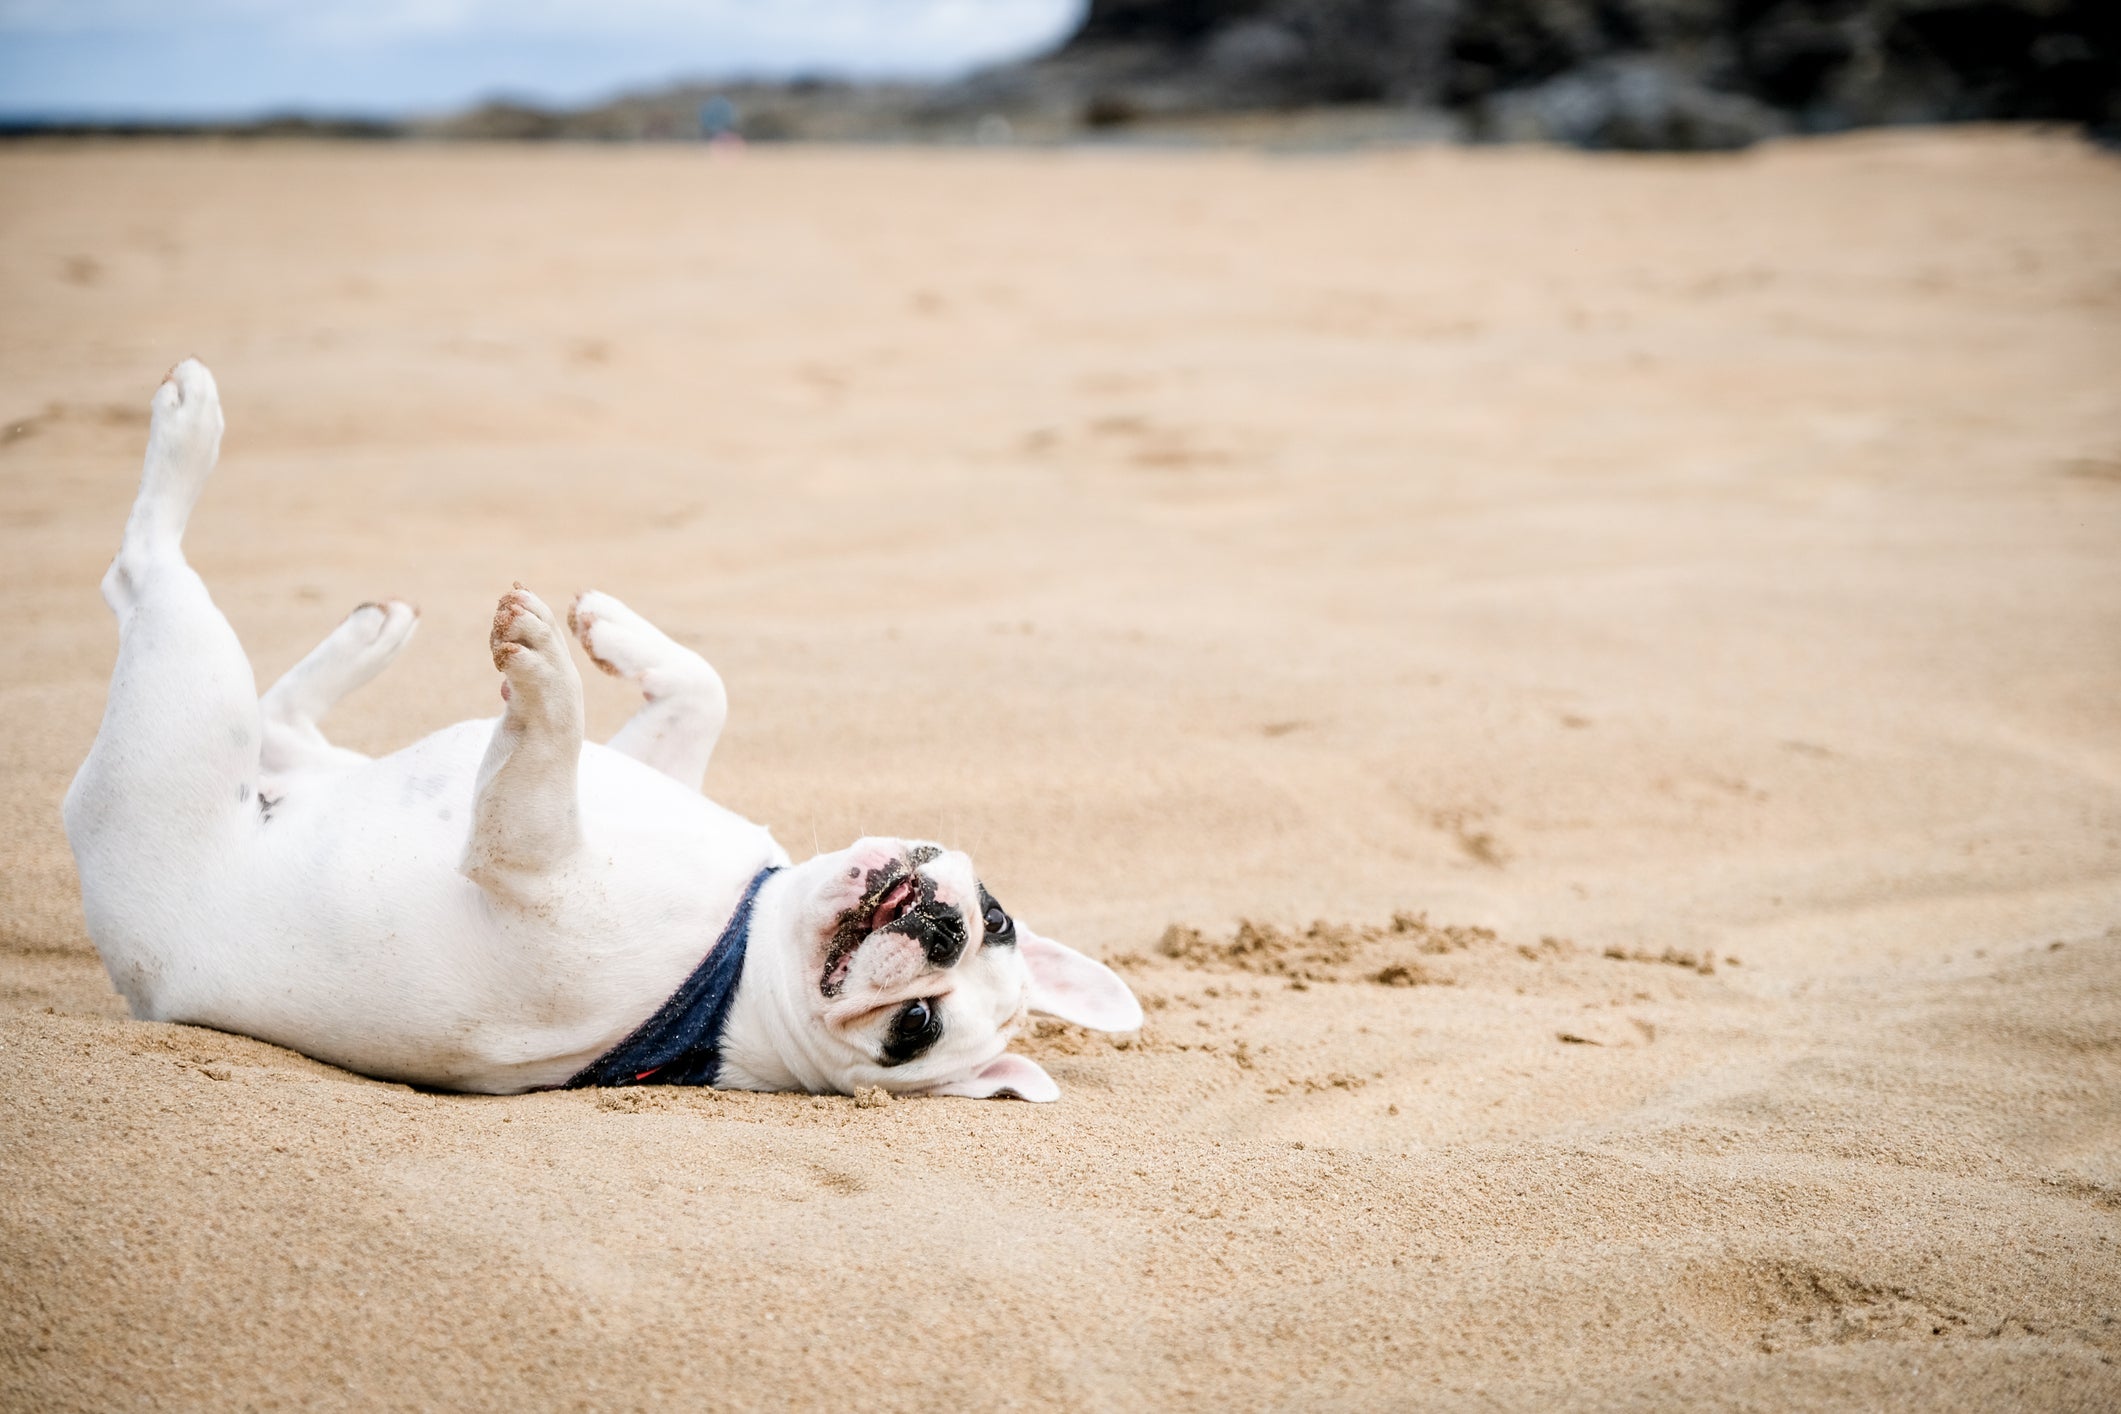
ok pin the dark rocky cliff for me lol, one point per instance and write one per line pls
(1626, 73)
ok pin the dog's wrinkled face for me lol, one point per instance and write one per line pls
(917, 976)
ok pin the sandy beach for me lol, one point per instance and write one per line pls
(1580, 691)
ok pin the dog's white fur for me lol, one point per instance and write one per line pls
(497, 905)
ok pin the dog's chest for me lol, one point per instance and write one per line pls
(374, 851)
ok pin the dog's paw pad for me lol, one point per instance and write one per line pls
(620, 641)
(589, 610)
(625, 645)
(526, 637)
(616, 639)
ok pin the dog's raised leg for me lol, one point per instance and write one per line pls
(526, 815)
(676, 728)
(359, 648)
(173, 772)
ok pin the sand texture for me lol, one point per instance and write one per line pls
(1581, 692)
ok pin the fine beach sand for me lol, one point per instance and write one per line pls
(1663, 616)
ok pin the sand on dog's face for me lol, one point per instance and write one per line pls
(1561, 576)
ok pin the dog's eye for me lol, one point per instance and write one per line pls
(918, 1025)
(1001, 928)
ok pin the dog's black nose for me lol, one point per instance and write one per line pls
(938, 929)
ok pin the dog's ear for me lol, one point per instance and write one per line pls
(1066, 984)
(1005, 1075)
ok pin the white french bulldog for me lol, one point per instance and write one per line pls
(503, 907)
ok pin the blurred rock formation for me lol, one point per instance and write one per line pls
(1602, 73)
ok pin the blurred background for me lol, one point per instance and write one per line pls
(1665, 74)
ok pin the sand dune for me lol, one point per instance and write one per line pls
(1581, 693)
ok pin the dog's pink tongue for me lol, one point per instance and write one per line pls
(892, 904)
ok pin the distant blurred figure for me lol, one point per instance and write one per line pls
(718, 120)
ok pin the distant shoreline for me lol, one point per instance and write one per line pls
(1320, 129)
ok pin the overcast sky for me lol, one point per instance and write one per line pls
(233, 58)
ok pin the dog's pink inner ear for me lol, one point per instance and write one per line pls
(1005, 1075)
(1066, 984)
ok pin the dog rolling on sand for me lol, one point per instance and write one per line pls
(502, 906)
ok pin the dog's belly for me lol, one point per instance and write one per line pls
(348, 933)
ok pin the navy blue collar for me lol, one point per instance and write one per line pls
(682, 1043)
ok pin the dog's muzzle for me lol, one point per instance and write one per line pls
(899, 900)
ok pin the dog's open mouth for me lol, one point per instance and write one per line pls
(899, 899)
(893, 905)
(892, 890)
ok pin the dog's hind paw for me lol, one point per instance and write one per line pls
(184, 438)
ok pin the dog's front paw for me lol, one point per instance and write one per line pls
(531, 652)
(378, 629)
(624, 644)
